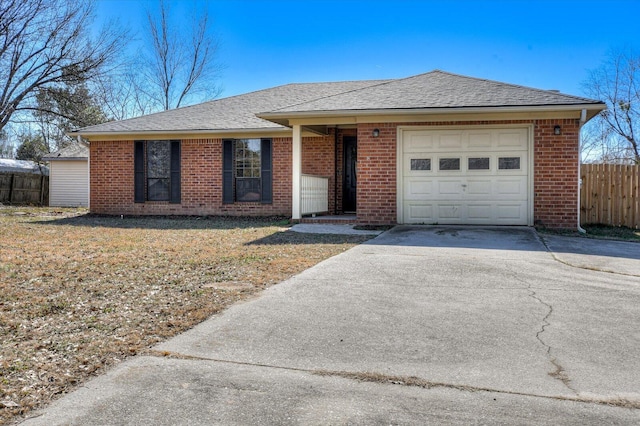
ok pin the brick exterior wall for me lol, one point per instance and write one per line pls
(555, 173)
(112, 188)
(112, 180)
(377, 174)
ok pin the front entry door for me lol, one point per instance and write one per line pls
(350, 180)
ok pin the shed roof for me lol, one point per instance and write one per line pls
(74, 151)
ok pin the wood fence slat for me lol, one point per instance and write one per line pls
(24, 188)
(610, 194)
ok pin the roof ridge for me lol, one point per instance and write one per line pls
(382, 82)
(555, 92)
(379, 83)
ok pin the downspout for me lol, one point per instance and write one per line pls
(583, 119)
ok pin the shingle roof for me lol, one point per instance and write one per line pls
(75, 151)
(232, 113)
(435, 89)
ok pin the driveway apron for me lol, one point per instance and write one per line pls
(419, 325)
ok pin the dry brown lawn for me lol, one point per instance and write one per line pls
(79, 293)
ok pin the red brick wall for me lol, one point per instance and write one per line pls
(201, 181)
(556, 173)
(110, 176)
(376, 194)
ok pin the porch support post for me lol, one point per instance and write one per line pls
(296, 152)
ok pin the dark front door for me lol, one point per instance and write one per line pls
(350, 182)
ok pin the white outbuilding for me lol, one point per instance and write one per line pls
(69, 176)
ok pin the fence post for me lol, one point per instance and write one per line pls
(11, 182)
(41, 190)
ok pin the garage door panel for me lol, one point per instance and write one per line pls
(420, 213)
(418, 188)
(449, 187)
(512, 139)
(511, 212)
(449, 142)
(419, 141)
(449, 211)
(479, 140)
(511, 187)
(480, 187)
(480, 212)
(490, 185)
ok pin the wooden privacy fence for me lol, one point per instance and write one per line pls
(24, 188)
(610, 195)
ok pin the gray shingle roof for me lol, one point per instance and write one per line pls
(232, 113)
(435, 89)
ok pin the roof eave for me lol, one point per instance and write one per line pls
(177, 134)
(65, 158)
(283, 118)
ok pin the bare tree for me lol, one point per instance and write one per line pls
(617, 83)
(6, 147)
(47, 42)
(183, 63)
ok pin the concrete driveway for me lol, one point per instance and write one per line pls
(422, 325)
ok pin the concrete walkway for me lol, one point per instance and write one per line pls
(331, 228)
(421, 325)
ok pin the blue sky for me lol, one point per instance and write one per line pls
(543, 44)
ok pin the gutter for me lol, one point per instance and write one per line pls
(90, 134)
(276, 116)
(583, 119)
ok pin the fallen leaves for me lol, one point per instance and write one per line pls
(79, 293)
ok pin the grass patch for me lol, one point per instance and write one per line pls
(612, 232)
(597, 231)
(80, 293)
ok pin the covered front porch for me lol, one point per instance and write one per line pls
(324, 182)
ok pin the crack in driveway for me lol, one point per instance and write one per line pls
(559, 373)
(544, 242)
(381, 378)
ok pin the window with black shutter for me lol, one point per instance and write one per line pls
(247, 171)
(157, 171)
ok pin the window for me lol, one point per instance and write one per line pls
(509, 163)
(449, 164)
(247, 171)
(481, 163)
(157, 171)
(420, 164)
(247, 168)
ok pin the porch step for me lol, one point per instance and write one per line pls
(337, 219)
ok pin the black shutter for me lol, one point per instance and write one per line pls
(227, 171)
(174, 196)
(138, 171)
(266, 171)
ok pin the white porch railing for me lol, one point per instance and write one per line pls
(315, 194)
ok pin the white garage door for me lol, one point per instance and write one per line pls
(474, 176)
